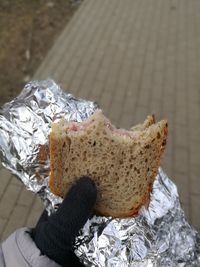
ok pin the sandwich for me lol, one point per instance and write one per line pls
(122, 163)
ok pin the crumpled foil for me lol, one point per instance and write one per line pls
(158, 236)
(25, 124)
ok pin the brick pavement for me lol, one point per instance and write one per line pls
(134, 58)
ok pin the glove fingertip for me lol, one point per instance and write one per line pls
(86, 185)
(82, 194)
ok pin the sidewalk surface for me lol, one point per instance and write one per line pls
(134, 57)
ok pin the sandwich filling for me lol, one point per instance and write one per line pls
(77, 126)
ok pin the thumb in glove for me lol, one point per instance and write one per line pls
(54, 235)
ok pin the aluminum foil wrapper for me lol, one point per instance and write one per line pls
(25, 124)
(158, 236)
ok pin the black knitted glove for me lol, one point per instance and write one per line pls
(54, 235)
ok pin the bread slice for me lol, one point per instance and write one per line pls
(123, 164)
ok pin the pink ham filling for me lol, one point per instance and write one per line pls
(79, 126)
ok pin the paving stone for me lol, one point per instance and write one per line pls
(16, 181)
(96, 91)
(181, 181)
(105, 101)
(181, 159)
(115, 113)
(127, 120)
(16, 220)
(141, 113)
(5, 177)
(194, 178)
(155, 107)
(73, 86)
(67, 78)
(194, 149)
(2, 226)
(166, 164)
(36, 211)
(181, 135)
(26, 198)
(129, 105)
(195, 207)
(9, 200)
(181, 115)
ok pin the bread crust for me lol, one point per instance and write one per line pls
(55, 182)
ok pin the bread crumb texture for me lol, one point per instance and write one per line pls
(123, 164)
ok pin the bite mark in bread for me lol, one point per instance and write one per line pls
(122, 163)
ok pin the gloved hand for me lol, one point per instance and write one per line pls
(54, 235)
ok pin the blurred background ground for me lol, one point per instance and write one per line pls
(134, 58)
(28, 29)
